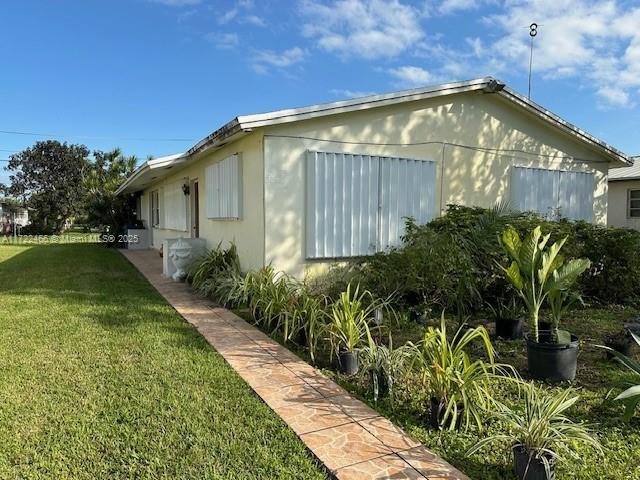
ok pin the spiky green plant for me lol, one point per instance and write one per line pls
(381, 362)
(540, 426)
(349, 318)
(631, 396)
(449, 375)
(537, 271)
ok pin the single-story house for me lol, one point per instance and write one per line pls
(11, 215)
(624, 196)
(303, 187)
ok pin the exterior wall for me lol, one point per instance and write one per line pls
(248, 232)
(618, 213)
(464, 176)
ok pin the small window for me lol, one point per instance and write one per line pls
(224, 188)
(155, 208)
(634, 203)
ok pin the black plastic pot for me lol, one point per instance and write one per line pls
(622, 345)
(437, 410)
(348, 362)
(532, 468)
(509, 328)
(301, 338)
(553, 362)
(383, 385)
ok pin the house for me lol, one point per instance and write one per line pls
(624, 196)
(10, 215)
(304, 187)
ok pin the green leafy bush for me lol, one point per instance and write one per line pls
(210, 274)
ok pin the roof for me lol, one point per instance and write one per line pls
(626, 173)
(244, 124)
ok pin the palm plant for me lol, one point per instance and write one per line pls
(631, 396)
(459, 387)
(539, 433)
(383, 366)
(537, 272)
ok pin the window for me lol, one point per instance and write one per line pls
(553, 193)
(356, 204)
(223, 184)
(175, 206)
(633, 204)
(155, 208)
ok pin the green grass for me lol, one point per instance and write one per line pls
(101, 378)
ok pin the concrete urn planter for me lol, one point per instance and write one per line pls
(180, 255)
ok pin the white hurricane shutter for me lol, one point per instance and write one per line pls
(407, 189)
(575, 195)
(550, 193)
(356, 203)
(342, 204)
(223, 185)
(175, 207)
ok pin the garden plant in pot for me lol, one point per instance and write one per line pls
(539, 433)
(348, 326)
(540, 274)
(460, 388)
(382, 366)
(509, 317)
(631, 396)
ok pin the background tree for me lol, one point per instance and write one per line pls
(107, 173)
(49, 177)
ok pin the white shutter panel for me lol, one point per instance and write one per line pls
(175, 207)
(575, 195)
(223, 185)
(407, 189)
(534, 190)
(342, 204)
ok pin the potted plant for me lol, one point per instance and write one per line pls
(539, 433)
(539, 274)
(348, 326)
(459, 387)
(621, 342)
(631, 396)
(509, 318)
(382, 366)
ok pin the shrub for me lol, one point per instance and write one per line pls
(210, 274)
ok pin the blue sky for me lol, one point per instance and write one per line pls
(155, 76)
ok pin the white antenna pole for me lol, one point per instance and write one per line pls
(533, 31)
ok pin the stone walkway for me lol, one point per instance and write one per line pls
(347, 436)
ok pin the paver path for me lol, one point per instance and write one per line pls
(347, 436)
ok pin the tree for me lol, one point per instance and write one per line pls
(49, 177)
(107, 173)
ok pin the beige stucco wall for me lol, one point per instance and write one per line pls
(248, 232)
(464, 176)
(618, 192)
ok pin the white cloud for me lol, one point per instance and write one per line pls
(364, 28)
(346, 93)
(223, 40)
(264, 59)
(177, 3)
(254, 20)
(227, 16)
(596, 42)
(240, 13)
(409, 76)
(450, 6)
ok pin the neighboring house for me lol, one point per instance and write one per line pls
(624, 196)
(10, 214)
(303, 187)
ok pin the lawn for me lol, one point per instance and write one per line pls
(101, 378)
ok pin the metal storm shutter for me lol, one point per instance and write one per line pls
(535, 190)
(553, 193)
(407, 189)
(575, 195)
(175, 207)
(223, 186)
(342, 204)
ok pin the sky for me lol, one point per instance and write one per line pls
(155, 76)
